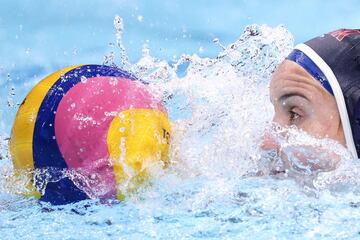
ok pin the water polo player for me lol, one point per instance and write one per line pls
(88, 131)
(317, 89)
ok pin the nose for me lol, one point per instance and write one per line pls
(270, 139)
(268, 142)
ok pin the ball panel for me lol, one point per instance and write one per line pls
(62, 192)
(23, 128)
(138, 139)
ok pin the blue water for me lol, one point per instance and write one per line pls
(253, 209)
(219, 109)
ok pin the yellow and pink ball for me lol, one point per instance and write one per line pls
(97, 121)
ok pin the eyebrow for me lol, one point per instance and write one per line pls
(288, 95)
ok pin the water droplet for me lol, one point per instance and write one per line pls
(83, 79)
(145, 50)
(113, 81)
(118, 24)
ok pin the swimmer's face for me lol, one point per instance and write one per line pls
(300, 100)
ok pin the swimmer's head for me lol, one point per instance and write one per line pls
(317, 89)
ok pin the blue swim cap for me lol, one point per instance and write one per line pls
(334, 60)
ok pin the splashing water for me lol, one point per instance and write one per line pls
(220, 184)
(216, 132)
(317, 164)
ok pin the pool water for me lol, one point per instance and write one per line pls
(222, 208)
(220, 184)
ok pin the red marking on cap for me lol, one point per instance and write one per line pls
(342, 33)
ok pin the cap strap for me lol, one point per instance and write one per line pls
(303, 60)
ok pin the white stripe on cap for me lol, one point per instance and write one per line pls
(339, 97)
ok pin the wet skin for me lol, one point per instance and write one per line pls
(300, 100)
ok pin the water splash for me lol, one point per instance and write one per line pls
(109, 59)
(11, 92)
(4, 149)
(317, 164)
(222, 133)
(119, 28)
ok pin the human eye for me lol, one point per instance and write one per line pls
(294, 116)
